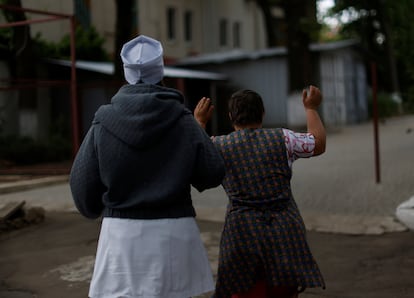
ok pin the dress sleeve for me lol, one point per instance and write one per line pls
(298, 145)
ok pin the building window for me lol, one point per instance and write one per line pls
(171, 23)
(83, 12)
(223, 32)
(236, 35)
(188, 26)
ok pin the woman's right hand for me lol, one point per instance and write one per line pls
(312, 99)
(203, 111)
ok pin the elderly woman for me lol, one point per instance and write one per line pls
(263, 248)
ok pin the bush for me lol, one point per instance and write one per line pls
(408, 103)
(25, 150)
(387, 107)
(89, 46)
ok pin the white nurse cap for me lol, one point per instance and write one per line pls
(143, 60)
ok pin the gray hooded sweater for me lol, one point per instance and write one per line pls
(141, 155)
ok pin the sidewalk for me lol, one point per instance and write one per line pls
(336, 192)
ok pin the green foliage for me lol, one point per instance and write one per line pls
(327, 34)
(378, 24)
(408, 102)
(387, 107)
(22, 150)
(5, 39)
(25, 150)
(88, 45)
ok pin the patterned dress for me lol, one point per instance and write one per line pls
(264, 237)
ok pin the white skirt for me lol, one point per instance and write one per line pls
(150, 258)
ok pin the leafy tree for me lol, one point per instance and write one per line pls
(401, 16)
(301, 28)
(384, 28)
(89, 46)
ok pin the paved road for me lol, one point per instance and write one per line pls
(335, 192)
(55, 259)
(338, 191)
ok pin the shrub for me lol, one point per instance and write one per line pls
(25, 150)
(88, 44)
(387, 107)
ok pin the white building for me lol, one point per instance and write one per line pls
(185, 27)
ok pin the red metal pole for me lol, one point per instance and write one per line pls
(28, 22)
(181, 85)
(375, 119)
(36, 11)
(74, 93)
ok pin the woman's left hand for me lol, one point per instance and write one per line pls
(203, 111)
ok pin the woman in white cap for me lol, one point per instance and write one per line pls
(135, 168)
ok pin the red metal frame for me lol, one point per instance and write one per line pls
(375, 121)
(73, 80)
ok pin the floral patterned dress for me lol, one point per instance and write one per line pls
(264, 237)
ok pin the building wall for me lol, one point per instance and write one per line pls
(267, 76)
(343, 81)
(54, 30)
(152, 20)
(103, 19)
(244, 13)
(333, 87)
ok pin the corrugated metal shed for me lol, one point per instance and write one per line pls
(171, 72)
(263, 71)
(341, 78)
(196, 83)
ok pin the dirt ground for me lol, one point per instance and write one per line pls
(55, 258)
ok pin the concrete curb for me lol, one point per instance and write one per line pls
(352, 224)
(328, 223)
(32, 183)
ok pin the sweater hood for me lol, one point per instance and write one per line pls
(141, 114)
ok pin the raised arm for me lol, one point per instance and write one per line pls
(315, 126)
(203, 111)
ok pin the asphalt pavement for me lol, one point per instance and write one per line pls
(361, 247)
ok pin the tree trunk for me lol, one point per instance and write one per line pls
(271, 36)
(300, 17)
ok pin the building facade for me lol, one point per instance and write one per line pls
(185, 27)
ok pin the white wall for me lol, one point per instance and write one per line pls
(152, 21)
(333, 88)
(53, 30)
